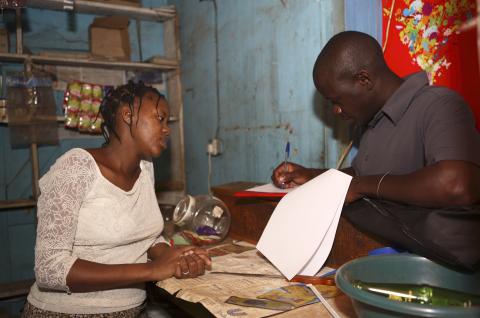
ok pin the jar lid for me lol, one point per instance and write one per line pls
(184, 210)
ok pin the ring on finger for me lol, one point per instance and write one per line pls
(186, 273)
(189, 252)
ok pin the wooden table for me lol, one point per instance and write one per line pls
(186, 309)
(250, 216)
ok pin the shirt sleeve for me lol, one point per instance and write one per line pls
(450, 132)
(63, 190)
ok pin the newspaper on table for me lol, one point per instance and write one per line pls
(212, 290)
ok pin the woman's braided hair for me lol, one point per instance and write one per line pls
(124, 94)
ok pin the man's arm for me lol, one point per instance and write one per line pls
(295, 175)
(445, 183)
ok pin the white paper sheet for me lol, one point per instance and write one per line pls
(301, 230)
(269, 188)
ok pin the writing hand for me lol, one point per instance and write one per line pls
(290, 175)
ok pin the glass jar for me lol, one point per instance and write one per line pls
(202, 219)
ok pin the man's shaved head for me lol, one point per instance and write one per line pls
(346, 54)
(351, 73)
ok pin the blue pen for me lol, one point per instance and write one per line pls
(287, 154)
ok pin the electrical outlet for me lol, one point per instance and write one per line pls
(215, 147)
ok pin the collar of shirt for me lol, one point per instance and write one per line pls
(401, 99)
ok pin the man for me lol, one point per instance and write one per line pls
(419, 144)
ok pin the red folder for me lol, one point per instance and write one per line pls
(256, 194)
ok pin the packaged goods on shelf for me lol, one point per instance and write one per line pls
(82, 106)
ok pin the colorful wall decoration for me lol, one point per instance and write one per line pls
(425, 35)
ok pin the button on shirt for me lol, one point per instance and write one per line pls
(418, 126)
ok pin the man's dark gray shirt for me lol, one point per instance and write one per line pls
(418, 126)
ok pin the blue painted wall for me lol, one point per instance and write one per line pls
(266, 94)
(364, 16)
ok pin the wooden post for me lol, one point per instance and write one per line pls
(28, 72)
(35, 170)
(174, 89)
(19, 34)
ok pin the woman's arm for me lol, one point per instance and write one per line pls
(85, 276)
(63, 189)
(166, 261)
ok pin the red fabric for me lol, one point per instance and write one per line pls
(425, 35)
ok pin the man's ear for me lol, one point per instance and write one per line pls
(364, 79)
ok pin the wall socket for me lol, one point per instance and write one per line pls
(215, 147)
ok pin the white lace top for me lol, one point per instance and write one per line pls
(83, 215)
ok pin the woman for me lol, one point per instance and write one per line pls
(99, 221)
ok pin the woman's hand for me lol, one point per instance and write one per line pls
(181, 262)
(291, 175)
(193, 263)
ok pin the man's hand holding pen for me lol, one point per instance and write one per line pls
(290, 175)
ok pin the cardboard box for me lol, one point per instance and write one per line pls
(4, 45)
(109, 38)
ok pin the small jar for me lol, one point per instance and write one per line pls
(202, 219)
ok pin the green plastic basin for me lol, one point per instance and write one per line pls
(404, 269)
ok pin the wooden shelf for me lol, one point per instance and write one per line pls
(169, 63)
(17, 204)
(45, 118)
(160, 64)
(20, 288)
(61, 119)
(99, 8)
